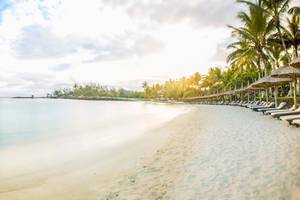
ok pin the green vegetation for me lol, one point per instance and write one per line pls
(268, 38)
(95, 91)
(174, 89)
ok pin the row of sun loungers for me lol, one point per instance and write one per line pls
(281, 112)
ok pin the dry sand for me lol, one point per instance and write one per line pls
(211, 152)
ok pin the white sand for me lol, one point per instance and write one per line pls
(212, 152)
(28, 171)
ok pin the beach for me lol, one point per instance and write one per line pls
(220, 152)
(150, 100)
(77, 146)
(208, 152)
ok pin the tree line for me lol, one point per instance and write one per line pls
(268, 38)
(95, 91)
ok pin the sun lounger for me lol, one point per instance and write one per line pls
(296, 122)
(261, 104)
(238, 103)
(231, 103)
(290, 118)
(248, 103)
(234, 103)
(242, 103)
(256, 104)
(269, 105)
(279, 107)
(269, 112)
(280, 114)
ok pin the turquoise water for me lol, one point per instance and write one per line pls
(30, 120)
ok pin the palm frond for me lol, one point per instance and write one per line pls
(294, 10)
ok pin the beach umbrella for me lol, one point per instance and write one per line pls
(288, 72)
(262, 84)
(253, 89)
(275, 83)
(258, 85)
(269, 81)
(295, 62)
(238, 92)
(248, 94)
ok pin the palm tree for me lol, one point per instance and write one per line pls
(275, 9)
(294, 10)
(213, 76)
(254, 35)
(243, 56)
(291, 33)
(275, 50)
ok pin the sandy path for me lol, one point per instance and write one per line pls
(218, 153)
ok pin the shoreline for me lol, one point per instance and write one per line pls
(94, 169)
(123, 99)
(206, 153)
(108, 99)
(98, 98)
(80, 98)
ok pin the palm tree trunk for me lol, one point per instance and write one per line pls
(290, 90)
(295, 92)
(259, 67)
(265, 67)
(283, 44)
(267, 95)
(263, 62)
(248, 97)
(295, 51)
(277, 64)
(259, 96)
(276, 95)
(295, 55)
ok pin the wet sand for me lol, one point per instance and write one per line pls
(211, 152)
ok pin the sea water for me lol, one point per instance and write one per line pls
(32, 120)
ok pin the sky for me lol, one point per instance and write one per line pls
(51, 44)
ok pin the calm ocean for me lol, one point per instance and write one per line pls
(31, 120)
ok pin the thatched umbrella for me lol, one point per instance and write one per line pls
(253, 88)
(269, 81)
(262, 83)
(259, 85)
(248, 89)
(288, 72)
(295, 62)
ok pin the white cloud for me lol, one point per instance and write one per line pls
(53, 43)
(60, 67)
